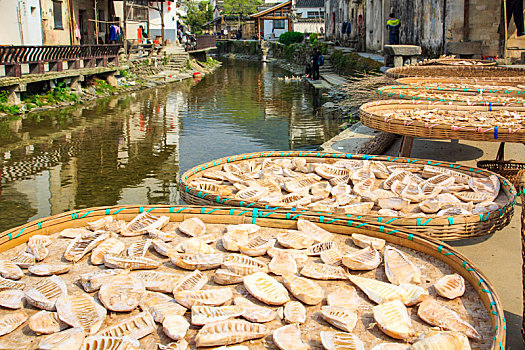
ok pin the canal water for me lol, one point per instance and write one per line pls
(132, 148)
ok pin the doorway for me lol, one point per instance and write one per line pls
(82, 26)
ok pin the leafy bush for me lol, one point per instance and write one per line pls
(291, 38)
(314, 37)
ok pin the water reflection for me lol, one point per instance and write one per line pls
(130, 149)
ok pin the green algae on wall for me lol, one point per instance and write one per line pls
(349, 63)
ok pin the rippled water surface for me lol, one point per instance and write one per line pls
(132, 148)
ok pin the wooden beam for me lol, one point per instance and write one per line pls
(505, 19)
(96, 21)
(275, 17)
(162, 23)
(125, 25)
(147, 22)
(72, 23)
(405, 149)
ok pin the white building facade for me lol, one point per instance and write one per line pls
(21, 22)
(309, 16)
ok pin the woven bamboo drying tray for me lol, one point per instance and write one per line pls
(457, 62)
(443, 228)
(509, 169)
(454, 71)
(480, 304)
(523, 256)
(371, 117)
(443, 82)
(463, 96)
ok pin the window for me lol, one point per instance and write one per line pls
(57, 14)
(315, 14)
(33, 11)
(278, 24)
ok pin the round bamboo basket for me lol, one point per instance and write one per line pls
(443, 228)
(511, 170)
(480, 305)
(457, 62)
(466, 96)
(444, 82)
(371, 117)
(521, 190)
(454, 71)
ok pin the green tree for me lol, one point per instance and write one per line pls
(198, 13)
(241, 7)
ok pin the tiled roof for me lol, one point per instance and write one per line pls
(268, 10)
(309, 3)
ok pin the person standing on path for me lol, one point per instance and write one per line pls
(315, 64)
(393, 25)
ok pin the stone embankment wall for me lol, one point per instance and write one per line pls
(351, 62)
(298, 55)
(294, 53)
(249, 48)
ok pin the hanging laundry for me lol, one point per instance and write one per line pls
(515, 9)
(343, 28)
(77, 32)
(114, 33)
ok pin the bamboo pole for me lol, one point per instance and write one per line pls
(147, 22)
(162, 22)
(72, 23)
(125, 25)
(96, 21)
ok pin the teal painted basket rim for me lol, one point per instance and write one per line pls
(423, 224)
(438, 89)
(412, 71)
(396, 92)
(435, 130)
(457, 261)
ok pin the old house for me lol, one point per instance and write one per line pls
(68, 22)
(54, 22)
(470, 28)
(439, 26)
(270, 23)
(164, 14)
(344, 22)
(309, 16)
(21, 22)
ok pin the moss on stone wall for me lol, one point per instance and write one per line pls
(241, 47)
(295, 53)
(349, 63)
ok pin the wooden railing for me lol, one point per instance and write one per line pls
(205, 42)
(12, 57)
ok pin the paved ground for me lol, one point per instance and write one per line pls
(332, 78)
(499, 255)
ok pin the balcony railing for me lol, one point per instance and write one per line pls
(36, 57)
(203, 42)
